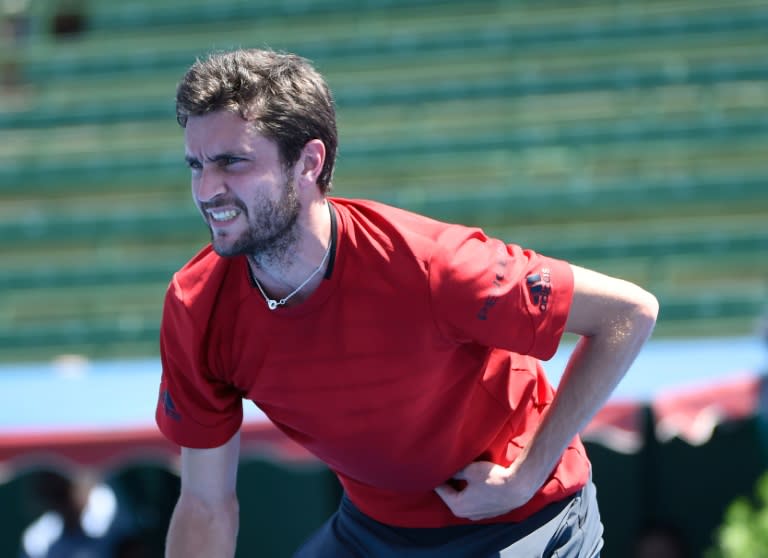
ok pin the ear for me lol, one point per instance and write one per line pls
(311, 160)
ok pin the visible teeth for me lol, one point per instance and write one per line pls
(223, 215)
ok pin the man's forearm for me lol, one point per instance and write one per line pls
(199, 531)
(595, 368)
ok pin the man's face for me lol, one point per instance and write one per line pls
(239, 184)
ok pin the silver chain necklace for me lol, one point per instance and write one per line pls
(272, 303)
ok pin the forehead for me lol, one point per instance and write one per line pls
(223, 131)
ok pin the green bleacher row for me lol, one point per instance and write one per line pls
(113, 54)
(81, 314)
(56, 306)
(95, 110)
(733, 109)
(643, 199)
(713, 208)
(43, 169)
(731, 313)
(630, 111)
(717, 271)
(704, 279)
(105, 16)
(738, 194)
(558, 67)
(386, 32)
(60, 62)
(712, 255)
(731, 308)
(141, 15)
(393, 30)
(53, 295)
(602, 243)
(438, 103)
(682, 180)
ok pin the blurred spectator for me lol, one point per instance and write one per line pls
(14, 28)
(60, 532)
(15, 15)
(68, 19)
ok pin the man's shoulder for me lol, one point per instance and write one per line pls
(198, 268)
(372, 215)
(409, 226)
(361, 207)
(200, 276)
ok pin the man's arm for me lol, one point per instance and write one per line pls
(614, 318)
(205, 520)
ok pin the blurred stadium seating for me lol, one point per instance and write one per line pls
(626, 136)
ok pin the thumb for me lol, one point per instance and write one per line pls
(475, 471)
(446, 492)
(461, 475)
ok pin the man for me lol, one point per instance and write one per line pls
(401, 351)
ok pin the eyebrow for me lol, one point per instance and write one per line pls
(216, 158)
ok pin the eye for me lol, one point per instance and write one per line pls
(228, 161)
(194, 164)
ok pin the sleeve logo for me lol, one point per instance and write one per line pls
(500, 270)
(168, 406)
(540, 287)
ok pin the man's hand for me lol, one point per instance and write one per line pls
(491, 490)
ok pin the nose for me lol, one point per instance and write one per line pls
(208, 185)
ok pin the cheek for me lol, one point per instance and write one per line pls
(193, 190)
(195, 180)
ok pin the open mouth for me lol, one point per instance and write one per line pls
(222, 215)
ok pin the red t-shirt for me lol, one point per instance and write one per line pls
(416, 357)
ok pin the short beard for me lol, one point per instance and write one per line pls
(272, 230)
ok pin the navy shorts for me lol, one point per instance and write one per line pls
(567, 529)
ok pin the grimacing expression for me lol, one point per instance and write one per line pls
(245, 192)
(269, 227)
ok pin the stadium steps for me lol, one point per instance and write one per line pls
(394, 44)
(721, 280)
(143, 220)
(608, 236)
(626, 137)
(613, 238)
(416, 76)
(740, 137)
(103, 15)
(116, 100)
(388, 31)
(625, 109)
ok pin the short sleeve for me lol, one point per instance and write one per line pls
(195, 408)
(498, 294)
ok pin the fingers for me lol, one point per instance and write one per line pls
(476, 492)
(450, 496)
(446, 492)
(459, 505)
(476, 471)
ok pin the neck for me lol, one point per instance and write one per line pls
(301, 268)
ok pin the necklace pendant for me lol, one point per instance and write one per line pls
(272, 304)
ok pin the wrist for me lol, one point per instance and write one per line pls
(527, 476)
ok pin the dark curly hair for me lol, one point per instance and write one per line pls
(282, 94)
